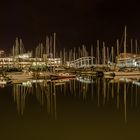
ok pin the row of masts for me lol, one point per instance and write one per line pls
(103, 53)
(18, 47)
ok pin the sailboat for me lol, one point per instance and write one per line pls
(126, 63)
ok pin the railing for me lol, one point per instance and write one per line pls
(82, 62)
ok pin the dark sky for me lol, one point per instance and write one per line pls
(75, 22)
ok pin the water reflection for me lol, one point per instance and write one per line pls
(43, 91)
(121, 94)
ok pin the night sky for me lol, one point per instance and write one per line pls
(75, 22)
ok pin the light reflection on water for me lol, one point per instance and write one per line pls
(102, 90)
(69, 101)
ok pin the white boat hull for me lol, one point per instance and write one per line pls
(126, 73)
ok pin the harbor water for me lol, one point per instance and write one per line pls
(76, 109)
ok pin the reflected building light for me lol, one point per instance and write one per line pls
(84, 92)
(86, 80)
(54, 97)
(118, 100)
(132, 95)
(136, 83)
(74, 86)
(98, 91)
(108, 86)
(92, 93)
(53, 100)
(125, 109)
(136, 100)
(27, 84)
(104, 91)
(112, 91)
(21, 93)
(37, 81)
(40, 94)
(48, 96)
(19, 97)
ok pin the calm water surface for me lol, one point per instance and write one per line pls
(70, 110)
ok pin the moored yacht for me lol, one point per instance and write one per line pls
(62, 76)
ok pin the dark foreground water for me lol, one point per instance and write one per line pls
(72, 110)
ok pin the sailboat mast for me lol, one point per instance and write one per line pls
(112, 51)
(118, 47)
(131, 45)
(125, 42)
(54, 39)
(107, 54)
(98, 57)
(104, 53)
(64, 56)
(136, 45)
